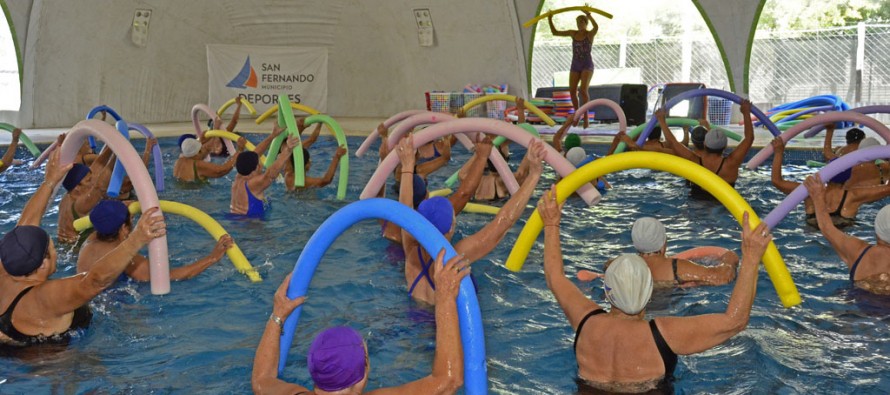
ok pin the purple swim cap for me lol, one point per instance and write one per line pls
(337, 358)
(75, 176)
(185, 137)
(439, 211)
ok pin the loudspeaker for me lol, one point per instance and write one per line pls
(631, 98)
(697, 106)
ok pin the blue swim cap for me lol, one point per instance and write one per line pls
(439, 211)
(184, 137)
(841, 177)
(108, 216)
(74, 176)
(22, 249)
(419, 190)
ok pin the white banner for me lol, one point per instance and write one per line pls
(260, 74)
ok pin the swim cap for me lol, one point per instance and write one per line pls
(698, 135)
(419, 190)
(576, 155)
(841, 177)
(336, 358)
(22, 249)
(882, 224)
(572, 141)
(185, 136)
(648, 235)
(190, 147)
(868, 142)
(247, 162)
(628, 284)
(854, 135)
(439, 211)
(74, 176)
(108, 216)
(715, 140)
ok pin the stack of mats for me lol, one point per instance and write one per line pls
(562, 106)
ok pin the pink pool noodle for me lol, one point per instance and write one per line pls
(387, 124)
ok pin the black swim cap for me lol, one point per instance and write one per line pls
(855, 135)
(75, 176)
(22, 249)
(247, 162)
(698, 134)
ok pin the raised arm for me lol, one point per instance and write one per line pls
(470, 183)
(36, 206)
(827, 149)
(560, 134)
(60, 297)
(96, 191)
(234, 121)
(595, 28)
(261, 183)
(214, 170)
(690, 335)
(572, 301)
(847, 247)
(556, 32)
(146, 155)
(407, 157)
(679, 149)
(425, 169)
(448, 365)
(482, 242)
(263, 146)
(10, 151)
(329, 175)
(778, 154)
(313, 137)
(264, 379)
(738, 154)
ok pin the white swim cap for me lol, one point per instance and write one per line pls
(715, 140)
(576, 155)
(628, 284)
(882, 224)
(868, 142)
(190, 147)
(648, 235)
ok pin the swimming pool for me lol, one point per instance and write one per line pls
(201, 337)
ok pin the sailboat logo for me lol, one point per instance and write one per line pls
(245, 78)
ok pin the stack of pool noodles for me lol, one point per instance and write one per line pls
(787, 115)
(562, 105)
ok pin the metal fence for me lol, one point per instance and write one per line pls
(785, 66)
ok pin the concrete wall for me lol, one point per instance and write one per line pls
(78, 54)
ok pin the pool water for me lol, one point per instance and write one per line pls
(201, 337)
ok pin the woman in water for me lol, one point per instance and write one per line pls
(582, 62)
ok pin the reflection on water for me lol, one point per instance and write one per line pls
(203, 334)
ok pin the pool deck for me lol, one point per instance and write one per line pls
(362, 126)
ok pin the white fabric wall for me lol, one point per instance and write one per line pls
(78, 54)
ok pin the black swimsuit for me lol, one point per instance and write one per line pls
(856, 264)
(668, 357)
(81, 320)
(698, 192)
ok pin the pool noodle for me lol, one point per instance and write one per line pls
(451, 180)
(676, 122)
(425, 118)
(501, 128)
(822, 119)
(286, 120)
(622, 119)
(387, 124)
(293, 106)
(470, 207)
(531, 22)
(528, 128)
(159, 266)
(830, 170)
(199, 217)
(865, 110)
(225, 134)
(804, 114)
(155, 153)
(199, 131)
(231, 102)
(119, 172)
(23, 138)
(691, 171)
(471, 330)
(706, 92)
(341, 141)
(96, 110)
(531, 107)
